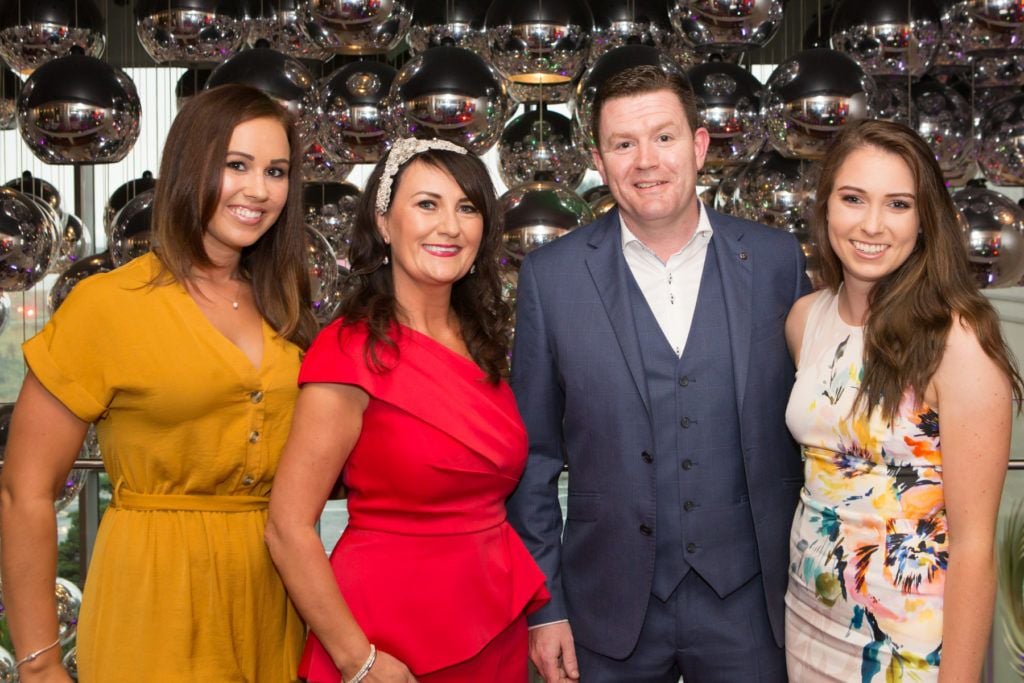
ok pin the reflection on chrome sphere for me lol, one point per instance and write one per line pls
(998, 70)
(642, 22)
(10, 88)
(130, 233)
(729, 107)
(448, 93)
(279, 26)
(330, 209)
(727, 199)
(539, 49)
(8, 672)
(70, 663)
(994, 229)
(79, 110)
(1001, 142)
(33, 33)
(75, 242)
(441, 22)
(993, 25)
(356, 27)
(353, 105)
(538, 145)
(37, 188)
(778, 192)
(190, 33)
(191, 83)
(810, 97)
(600, 199)
(121, 196)
(540, 212)
(887, 37)
(943, 118)
(951, 56)
(5, 315)
(322, 266)
(28, 236)
(69, 601)
(320, 165)
(90, 265)
(726, 25)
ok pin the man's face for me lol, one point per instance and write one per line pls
(649, 158)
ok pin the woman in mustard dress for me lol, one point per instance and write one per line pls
(185, 359)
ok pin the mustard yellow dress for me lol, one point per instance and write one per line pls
(181, 588)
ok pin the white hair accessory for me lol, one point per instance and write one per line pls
(401, 151)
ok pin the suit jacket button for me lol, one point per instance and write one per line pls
(645, 530)
(685, 423)
(691, 547)
(647, 457)
(689, 505)
(687, 464)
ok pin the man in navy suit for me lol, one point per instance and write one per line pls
(650, 356)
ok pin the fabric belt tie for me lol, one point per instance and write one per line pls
(130, 500)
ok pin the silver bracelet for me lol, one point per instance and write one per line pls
(32, 656)
(364, 670)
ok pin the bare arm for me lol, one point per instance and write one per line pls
(973, 401)
(43, 441)
(327, 423)
(796, 322)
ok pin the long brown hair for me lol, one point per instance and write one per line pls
(483, 315)
(911, 310)
(187, 192)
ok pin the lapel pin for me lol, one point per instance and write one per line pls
(743, 256)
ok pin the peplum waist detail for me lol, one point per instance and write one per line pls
(430, 600)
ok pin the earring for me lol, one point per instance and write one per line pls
(472, 269)
(386, 260)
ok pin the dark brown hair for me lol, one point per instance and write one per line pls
(483, 315)
(188, 189)
(641, 80)
(911, 310)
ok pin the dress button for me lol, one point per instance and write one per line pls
(683, 381)
(689, 505)
(685, 423)
(247, 480)
(691, 547)
(647, 457)
(254, 437)
(256, 396)
(687, 464)
(645, 530)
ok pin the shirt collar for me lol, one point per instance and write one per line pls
(703, 231)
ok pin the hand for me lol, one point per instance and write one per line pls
(387, 669)
(553, 652)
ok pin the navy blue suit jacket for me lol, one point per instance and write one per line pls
(579, 381)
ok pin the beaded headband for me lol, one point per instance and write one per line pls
(401, 151)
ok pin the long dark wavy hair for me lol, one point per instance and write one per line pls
(187, 192)
(911, 310)
(484, 317)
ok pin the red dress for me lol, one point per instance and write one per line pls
(428, 563)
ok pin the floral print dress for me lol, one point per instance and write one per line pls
(868, 548)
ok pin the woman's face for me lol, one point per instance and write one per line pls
(872, 214)
(253, 187)
(433, 228)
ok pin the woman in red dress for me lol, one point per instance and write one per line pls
(403, 395)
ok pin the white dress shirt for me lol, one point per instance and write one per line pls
(670, 288)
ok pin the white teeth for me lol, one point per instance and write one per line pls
(246, 213)
(437, 249)
(644, 186)
(869, 248)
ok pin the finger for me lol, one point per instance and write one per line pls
(569, 663)
(550, 670)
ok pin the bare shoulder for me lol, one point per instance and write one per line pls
(966, 371)
(796, 321)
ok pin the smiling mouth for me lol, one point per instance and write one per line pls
(246, 215)
(442, 250)
(648, 185)
(866, 248)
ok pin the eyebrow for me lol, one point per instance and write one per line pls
(252, 158)
(889, 194)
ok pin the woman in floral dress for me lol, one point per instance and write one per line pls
(892, 572)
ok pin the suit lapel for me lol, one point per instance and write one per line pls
(608, 269)
(736, 265)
